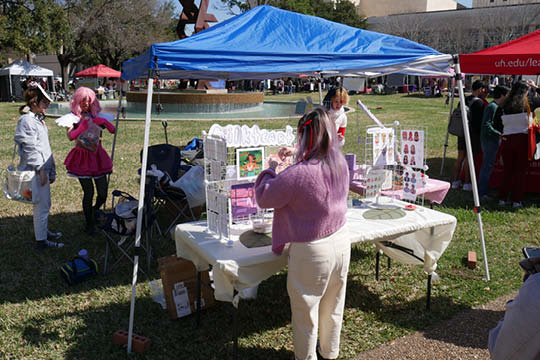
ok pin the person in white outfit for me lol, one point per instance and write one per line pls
(334, 102)
(32, 139)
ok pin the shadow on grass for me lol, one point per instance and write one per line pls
(88, 333)
(466, 329)
(30, 274)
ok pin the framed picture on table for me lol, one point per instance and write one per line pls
(249, 162)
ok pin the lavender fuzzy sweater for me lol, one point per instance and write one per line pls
(307, 206)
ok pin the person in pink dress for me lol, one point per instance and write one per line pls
(88, 161)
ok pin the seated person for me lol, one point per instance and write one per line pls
(517, 336)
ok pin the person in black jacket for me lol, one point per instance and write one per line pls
(477, 102)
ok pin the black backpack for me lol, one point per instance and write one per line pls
(78, 269)
(455, 126)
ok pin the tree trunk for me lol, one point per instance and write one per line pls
(64, 70)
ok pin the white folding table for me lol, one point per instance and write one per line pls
(420, 237)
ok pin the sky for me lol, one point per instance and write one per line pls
(467, 3)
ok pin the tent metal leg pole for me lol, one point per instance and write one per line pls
(320, 91)
(482, 240)
(140, 210)
(449, 117)
(467, 135)
(118, 112)
(428, 300)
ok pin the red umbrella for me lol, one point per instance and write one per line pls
(99, 71)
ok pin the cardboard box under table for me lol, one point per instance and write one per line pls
(180, 284)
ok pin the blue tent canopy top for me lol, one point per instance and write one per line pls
(267, 42)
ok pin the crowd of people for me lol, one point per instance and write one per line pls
(488, 136)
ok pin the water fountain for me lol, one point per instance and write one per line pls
(194, 105)
(196, 101)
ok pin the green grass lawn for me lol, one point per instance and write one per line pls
(43, 318)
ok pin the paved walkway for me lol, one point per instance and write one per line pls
(465, 336)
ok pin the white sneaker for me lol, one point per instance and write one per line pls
(456, 184)
(502, 203)
(517, 205)
(467, 187)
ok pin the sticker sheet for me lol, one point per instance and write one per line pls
(412, 148)
(412, 183)
(383, 146)
(374, 182)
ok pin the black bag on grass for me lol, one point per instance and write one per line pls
(78, 270)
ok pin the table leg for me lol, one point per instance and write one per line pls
(235, 328)
(389, 262)
(428, 300)
(198, 321)
(377, 260)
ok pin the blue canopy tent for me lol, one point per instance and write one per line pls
(267, 42)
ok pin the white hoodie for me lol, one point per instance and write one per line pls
(340, 119)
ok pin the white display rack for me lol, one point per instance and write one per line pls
(392, 164)
(220, 172)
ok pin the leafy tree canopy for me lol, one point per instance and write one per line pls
(341, 11)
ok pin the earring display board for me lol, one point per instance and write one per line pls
(412, 148)
(383, 146)
(394, 162)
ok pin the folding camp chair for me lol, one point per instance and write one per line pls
(119, 227)
(166, 158)
(169, 203)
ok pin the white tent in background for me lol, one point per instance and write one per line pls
(11, 75)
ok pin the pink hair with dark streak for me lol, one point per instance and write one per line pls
(317, 140)
(81, 94)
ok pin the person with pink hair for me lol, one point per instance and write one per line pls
(310, 201)
(88, 161)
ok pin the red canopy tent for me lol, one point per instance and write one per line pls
(517, 57)
(99, 71)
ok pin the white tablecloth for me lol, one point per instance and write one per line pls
(425, 232)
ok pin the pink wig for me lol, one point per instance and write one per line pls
(317, 140)
(81, 94)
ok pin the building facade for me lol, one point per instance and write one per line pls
(370, 8)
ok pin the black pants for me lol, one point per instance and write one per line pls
(88, 197)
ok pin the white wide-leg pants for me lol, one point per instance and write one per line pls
(316, 283)
(41, 197)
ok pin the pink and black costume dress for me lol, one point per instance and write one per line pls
(88, 159)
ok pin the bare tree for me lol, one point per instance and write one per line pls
(463, 31)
